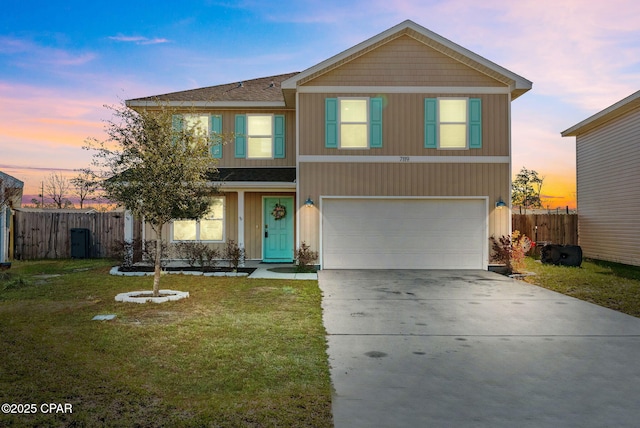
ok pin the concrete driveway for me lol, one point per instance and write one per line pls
(475, 349)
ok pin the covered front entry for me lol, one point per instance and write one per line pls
(404, 233)
(278, 214)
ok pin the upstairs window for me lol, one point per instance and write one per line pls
(204, 126)
(453, 123)
(198, 122)
(353, 123)
(259, 136)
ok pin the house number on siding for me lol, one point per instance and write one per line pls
(405, 159)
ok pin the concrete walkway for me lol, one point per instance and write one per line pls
(265, 270)
(475, 349)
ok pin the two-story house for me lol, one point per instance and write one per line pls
(395, 153)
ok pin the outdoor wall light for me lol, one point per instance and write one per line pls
(309, 202)
(500, 204)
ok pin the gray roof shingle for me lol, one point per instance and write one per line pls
(262, 89)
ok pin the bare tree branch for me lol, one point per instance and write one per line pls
(57, 188)
(85, 186)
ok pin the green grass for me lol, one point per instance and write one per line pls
(611, 285)
(238, 352)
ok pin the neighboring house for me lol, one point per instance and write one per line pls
(391, 154)
(10, 197)
(608, 182)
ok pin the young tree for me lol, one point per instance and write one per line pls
(526, 188)
(56, 187)
(85, 186)
(155, 166)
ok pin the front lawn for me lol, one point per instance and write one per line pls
(611, 285)
(238, 352)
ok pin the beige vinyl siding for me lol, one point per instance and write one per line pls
(608, 179)
(402, 61)
(391, 179)
(403, 126)
(253, 225)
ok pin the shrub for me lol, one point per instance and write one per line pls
(149, 252)
(510, 250)
(198, 252)
(305, 258)
(233, 254)
(128, 252)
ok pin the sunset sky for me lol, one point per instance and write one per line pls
(61, 62)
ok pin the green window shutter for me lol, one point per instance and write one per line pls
(278, 136)
(176, 122)
(215, 127)
(430, 123)
(176, 127)
(331, 123)
(241, 137)
(375, 122)
(475, 123)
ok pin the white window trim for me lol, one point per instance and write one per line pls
(224, 228)
(272, 136)
(466, 130)
(367, 123)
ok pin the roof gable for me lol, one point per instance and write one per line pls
(618, 109)
(10, 181)
(404, 61)
(517, 84)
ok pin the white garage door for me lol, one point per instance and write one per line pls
(363, 233)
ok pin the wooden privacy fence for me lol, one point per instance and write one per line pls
(47, 235)
(552, 228)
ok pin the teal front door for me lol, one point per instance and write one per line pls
(277, 243)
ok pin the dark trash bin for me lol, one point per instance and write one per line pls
(561, 255)
(80, 243)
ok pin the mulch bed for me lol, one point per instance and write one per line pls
(185, 269)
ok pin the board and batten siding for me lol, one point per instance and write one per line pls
(400, 179)
(401, 61)
(403, 126)
(608, 184)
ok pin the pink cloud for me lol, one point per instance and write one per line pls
(139, 40)
(24, 106)
(28, 53)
